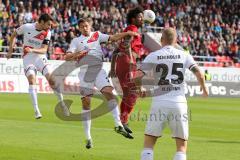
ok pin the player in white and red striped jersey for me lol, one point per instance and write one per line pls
(36, 37)
(86, 49)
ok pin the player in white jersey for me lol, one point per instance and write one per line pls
(36, 37)
(90, 43)
(169, 105)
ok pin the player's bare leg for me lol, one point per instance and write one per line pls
(113, 105)
(33, 92)
(181, 149)
(57, 92)
(86, 103)
(149, 142)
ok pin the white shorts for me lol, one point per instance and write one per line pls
(87, 84)
(172, 113)
(35, 62)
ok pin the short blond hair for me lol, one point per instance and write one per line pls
(169, 36)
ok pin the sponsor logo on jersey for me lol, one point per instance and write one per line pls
(33, 42)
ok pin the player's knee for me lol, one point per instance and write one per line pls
(31, 79)
(47, 71)
(86, 102)
(51, 82)
(108, 93)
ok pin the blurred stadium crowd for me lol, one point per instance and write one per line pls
(208, 28)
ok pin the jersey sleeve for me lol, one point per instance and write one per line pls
(103, 37)
(73, 46)
(147, 65)
(47, 38)
(20, 30)
(190, 62)
(131, 28)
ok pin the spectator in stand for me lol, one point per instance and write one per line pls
(198, 23)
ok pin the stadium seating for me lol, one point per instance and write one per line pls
(199, 33)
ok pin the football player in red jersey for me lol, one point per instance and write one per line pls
(124, 63)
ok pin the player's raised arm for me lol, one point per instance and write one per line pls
(75, 56)
(72, 53)
(11, 44)
(122, 35)
(112, 72)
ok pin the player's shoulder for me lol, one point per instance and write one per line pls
(172, 50)
(29, 25)
(76, 39)
(152, 55)
(131, 28)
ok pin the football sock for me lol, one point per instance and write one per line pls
(87, 123)
(112, 104)
(180, 156)
(147, 154)
(124, 112)
(33, 93)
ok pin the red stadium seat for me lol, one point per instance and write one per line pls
(220, 64)
(224, 58)
(206, 64)
(228, 59)
(218, 58)
(210, 64)
(237, 65)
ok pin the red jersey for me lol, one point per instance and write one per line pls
(136, 43)
(123, 67)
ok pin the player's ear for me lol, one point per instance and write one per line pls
(161, 40)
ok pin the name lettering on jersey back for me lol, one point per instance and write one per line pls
(169, 57)
(171, 88)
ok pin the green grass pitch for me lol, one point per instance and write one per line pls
(214, 132)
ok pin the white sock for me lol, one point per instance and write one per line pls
(112, 104)
(180, 156)
(147, 154)
(87, 123)
(33, 93)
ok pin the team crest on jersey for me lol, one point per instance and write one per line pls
(93, 38)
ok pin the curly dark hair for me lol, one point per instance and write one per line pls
(133, 14)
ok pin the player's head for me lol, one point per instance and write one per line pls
(85, 25)
(169, 37)
(45, 21)
(135, 16)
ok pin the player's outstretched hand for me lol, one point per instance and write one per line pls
(27, 50)
(130, 33)
(81, 54)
